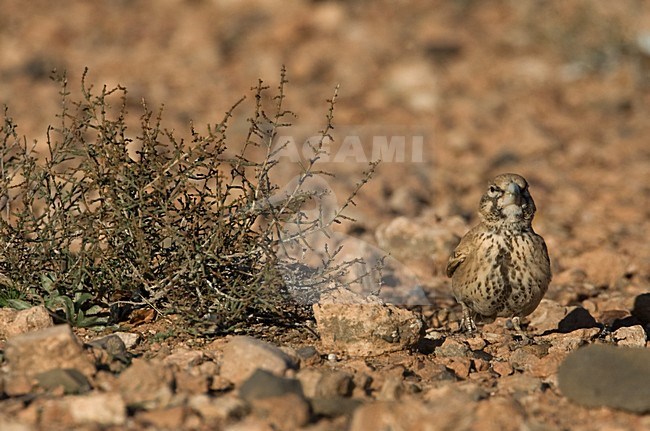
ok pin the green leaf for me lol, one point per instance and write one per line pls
(18, 304)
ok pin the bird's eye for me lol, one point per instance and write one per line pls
(494, 190)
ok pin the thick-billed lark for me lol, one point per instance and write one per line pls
(501, 267)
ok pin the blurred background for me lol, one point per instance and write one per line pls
(557, 91)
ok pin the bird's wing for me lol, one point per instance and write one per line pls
(463, 249)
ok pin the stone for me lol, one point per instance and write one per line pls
(308, 355)
(499, 413)
(325, 383)
(111, 353)
(146, 384)
(547, 316)
(10, 424)
(566, 342)
(434, 372)
(171, 418)
(604, 375)
(502, 368)
(243, 355)
(47, 349)
(104, 409)
(364, 327)
(480, 364)
(631, 336)
(71, 380)
(334, 383)
(226, 407)
(251, 423)
(519, 384)
(190, 383)
(15, 385)
(547, 366)
(264, 384)
(460, 365)
(392, 389)
(184, 358)
(450, 413)
(309, 379)
(334, 406)
(452, 348)
(476, 343)
(287, 411)
(113, 345)
(16, 322)
(130, 339)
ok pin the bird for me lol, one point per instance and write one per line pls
(501, 267)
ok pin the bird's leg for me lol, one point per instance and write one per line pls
(467, 322)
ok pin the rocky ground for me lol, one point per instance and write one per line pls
(556, 91)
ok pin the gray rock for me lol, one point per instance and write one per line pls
(602, 375)
(334, 406)
(71, 380)
(110, 349)
(264, 384)
(308, 355)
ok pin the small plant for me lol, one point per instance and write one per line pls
(102, 218)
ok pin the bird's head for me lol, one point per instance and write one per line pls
(507, 203)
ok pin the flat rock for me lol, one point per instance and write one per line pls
(603, 375)
(47, 349)
(243, 355)
(15, 322)
(359, 326)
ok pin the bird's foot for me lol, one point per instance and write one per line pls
(467, 323)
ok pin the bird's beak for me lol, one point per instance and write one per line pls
(512, 195)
